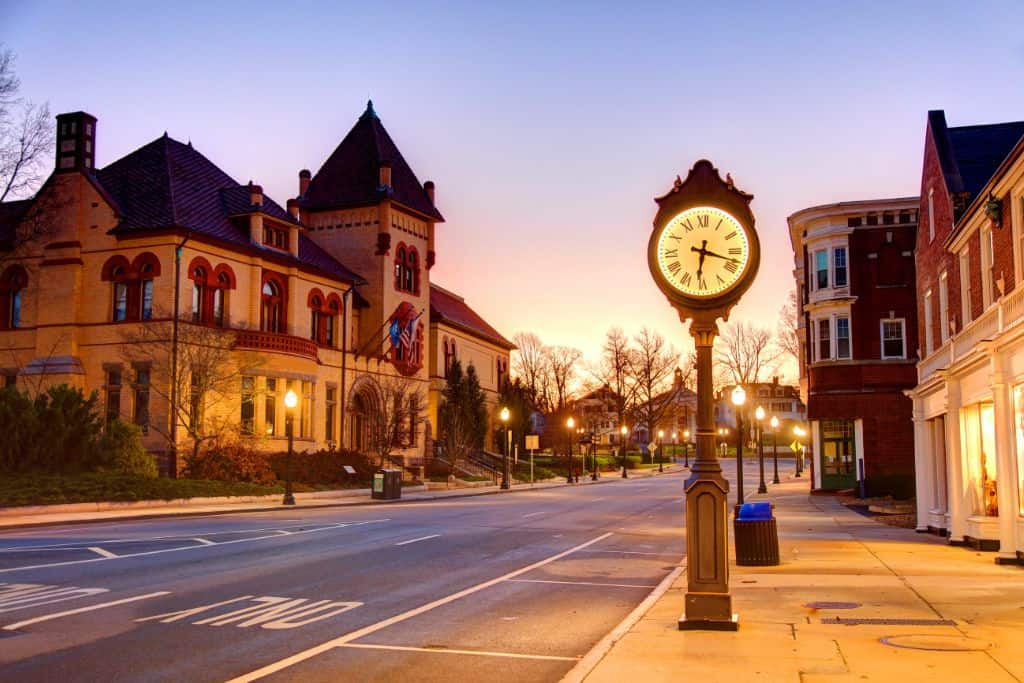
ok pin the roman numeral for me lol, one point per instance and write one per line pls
(671, 253)
(689, 228)
(673, 237)
(735, 251)
(685, 279)
(730, 235)
(702, 221)
(719, 278)
(731, 266)
(702, 284)
(719, 224)
(674, 267)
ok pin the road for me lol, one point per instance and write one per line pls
(510, 587)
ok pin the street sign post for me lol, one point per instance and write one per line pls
(532, 443)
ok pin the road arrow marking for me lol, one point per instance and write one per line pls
(90, 608)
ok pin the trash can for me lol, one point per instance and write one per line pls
(387, 485)
(757, 535)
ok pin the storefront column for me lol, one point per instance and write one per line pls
(1005, 467)
(923, 464)
(959, 506)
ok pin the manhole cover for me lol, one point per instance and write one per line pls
(887, 622)
(937, 643)
(832, 605)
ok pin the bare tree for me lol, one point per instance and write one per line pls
(787, 332)
(744, 353)
(529, 363)
(209, 377)
(396, 414)
(26, 135)
(615, 370)
(653, 369)
(562, 361)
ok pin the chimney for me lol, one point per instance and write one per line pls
(293, 208)
(304, 176)
(384, 176)
(428, 187)
(76, 142)
(255, 194)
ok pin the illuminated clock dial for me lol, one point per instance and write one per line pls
(703, 251)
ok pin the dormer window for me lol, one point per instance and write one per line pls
(273, 237)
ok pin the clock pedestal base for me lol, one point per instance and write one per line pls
(708, 602)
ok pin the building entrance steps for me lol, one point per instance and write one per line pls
(852, 600)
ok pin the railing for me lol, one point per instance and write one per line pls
(275, 342)
(1008, 312)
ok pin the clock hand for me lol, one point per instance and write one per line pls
(725, 258)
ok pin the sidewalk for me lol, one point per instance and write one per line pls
(832, 554)
(82, 513)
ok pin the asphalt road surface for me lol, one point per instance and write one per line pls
(512, 587)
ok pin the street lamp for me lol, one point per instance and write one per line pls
(739, 397)
(580, 431)
(622, 448)
(290, 401)
(675, 446)
(593, 451)
(799, 432)
(686, 448)
(570, 424)
(759, 415)
(505, 483)
(661, 451)
(775, 449)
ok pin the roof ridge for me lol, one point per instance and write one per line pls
(170, 181)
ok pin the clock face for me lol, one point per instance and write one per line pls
(703, 251)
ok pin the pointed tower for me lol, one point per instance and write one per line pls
(366, 206)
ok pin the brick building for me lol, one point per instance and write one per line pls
(969, 398)
(329, 297)
(854, 269)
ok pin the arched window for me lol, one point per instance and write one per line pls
(198, 276)
(315, 318)
(272, 319)
(12, 284)
(209, 291)
(400, 267)
(407, 269)
(120, 293)
(220, 298)
(412, 261)
(133, 285)
(333, 308)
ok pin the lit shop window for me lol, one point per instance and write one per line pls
(979, 439)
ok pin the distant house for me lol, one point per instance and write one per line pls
(778, 400)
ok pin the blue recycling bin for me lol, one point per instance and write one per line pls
(757, 535)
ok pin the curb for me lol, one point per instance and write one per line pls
(276, 508)
(590, 660)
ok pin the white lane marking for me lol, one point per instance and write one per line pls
(447, 651)
(204, 541)
(269, 612)
(285, 533)
(184, 548)
(631, 552)
(417, 540)
(531, 514)
(101, 552)
(19, 596)
(409, 614)
(582, 583)
(90, 608)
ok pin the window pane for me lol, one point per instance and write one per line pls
(218, 307)
(839, 258)
(142, 400)
(15, 320)
(892, 339)
(248, 405)
(822, 269)
(270, 408)
(147, 299)
(842, 337)
(824, 344)
(120, 301)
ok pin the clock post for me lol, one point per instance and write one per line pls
(704, 254)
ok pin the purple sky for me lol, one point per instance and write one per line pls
(548, 127)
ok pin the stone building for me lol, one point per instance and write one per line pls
(854, 270)
(329, 297)
(969, 398)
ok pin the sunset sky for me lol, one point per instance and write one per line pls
(548, 127)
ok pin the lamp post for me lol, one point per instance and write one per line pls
(623, 430)
(799, 432)
(759, 415)
(675, 445)
(661, 451)
(775, 449)
(739, 397)
(290, 401)
(686, 448)
(505, 483)
(580, 431)
(593, 452)
(570, 424)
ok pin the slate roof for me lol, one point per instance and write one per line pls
(168, 184)
(970, 155)
(449, 308)
(351, 173)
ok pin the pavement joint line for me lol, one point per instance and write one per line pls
(447, 651)
(582, 583)
(67, 613)
(408, 614)
(102, 553)
(599, 651)
(417, 540)
(173, 550)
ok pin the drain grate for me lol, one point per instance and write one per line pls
(832, 605)
(887, 622)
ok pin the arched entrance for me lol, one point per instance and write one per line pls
(362, 409)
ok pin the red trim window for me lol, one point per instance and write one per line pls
(210, 291)
(274, 309)
(132, 290)
(12, 283)
(275, 237)
(407, 270)
(323, 316)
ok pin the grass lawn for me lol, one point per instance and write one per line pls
(47, 489)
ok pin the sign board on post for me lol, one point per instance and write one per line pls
(349, 469)
(532, 442)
